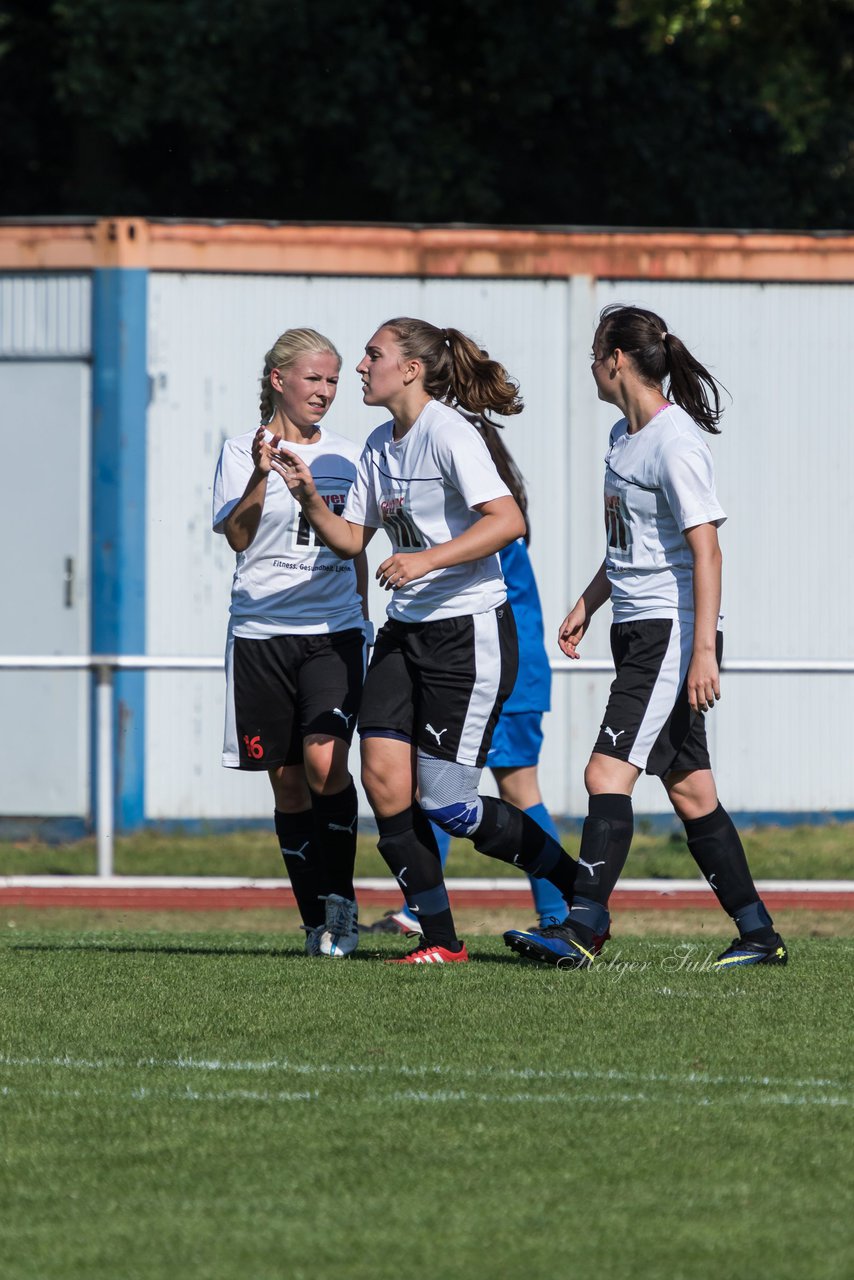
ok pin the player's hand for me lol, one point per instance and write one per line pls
(294, 472)
(399, 569)
(263, 450)
(572, 630)
(703, 682)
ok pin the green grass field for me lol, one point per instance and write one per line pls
(212, 1105)
(188, 1096)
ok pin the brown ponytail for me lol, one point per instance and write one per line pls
(456, 370)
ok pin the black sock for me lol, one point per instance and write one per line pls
(303, 863)
(335, 823)
(508, 834)
(717, 850)
(409, 847)
(605, 840)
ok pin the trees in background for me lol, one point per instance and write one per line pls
(727, 113)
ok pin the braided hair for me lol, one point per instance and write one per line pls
(285, 351)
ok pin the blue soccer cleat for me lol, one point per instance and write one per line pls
(557, 945)
(313, 934)
(742, 951)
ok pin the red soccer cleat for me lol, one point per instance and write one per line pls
(426, 953)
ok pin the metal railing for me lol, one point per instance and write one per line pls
(105, 665)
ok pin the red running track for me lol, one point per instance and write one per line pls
(15, 891)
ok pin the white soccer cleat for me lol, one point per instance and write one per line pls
(341, 935)
(402, 921)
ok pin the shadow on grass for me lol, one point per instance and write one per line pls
(166, 949)
(363, 956)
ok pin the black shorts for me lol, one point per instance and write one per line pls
(442, 684)
(648, 722)
(282, 689)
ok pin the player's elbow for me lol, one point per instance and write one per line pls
(345, 545)
(238, 539)
(348, 544)
(710, 555)
(516, 521)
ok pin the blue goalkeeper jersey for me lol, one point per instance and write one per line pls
(532, 691)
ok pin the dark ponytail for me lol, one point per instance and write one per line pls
(504, 465)
(658, 355)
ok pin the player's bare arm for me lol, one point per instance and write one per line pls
(345, 539)
(574, 626)
(241, 523)
(500, 524)
(703, 681)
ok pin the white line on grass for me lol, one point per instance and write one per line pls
(797, 1092)
(224, 1095)
(170, 1095)
(440, 1097)
(494, 1099)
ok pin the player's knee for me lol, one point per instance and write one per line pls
(327, 781)
(461, 818)
(447, 792)
(290, 790)
(386, 791)
(600, 775)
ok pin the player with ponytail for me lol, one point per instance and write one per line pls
(446, 659)
(662, 574)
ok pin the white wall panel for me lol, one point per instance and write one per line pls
(207, 340)
(45, 315)
(44, 747)
(783, 463)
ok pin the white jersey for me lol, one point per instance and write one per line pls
(422, 489)
(287, 581)
(658, 483)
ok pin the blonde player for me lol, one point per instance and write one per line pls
(295, 648)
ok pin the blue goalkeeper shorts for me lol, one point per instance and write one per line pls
(517, 740)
